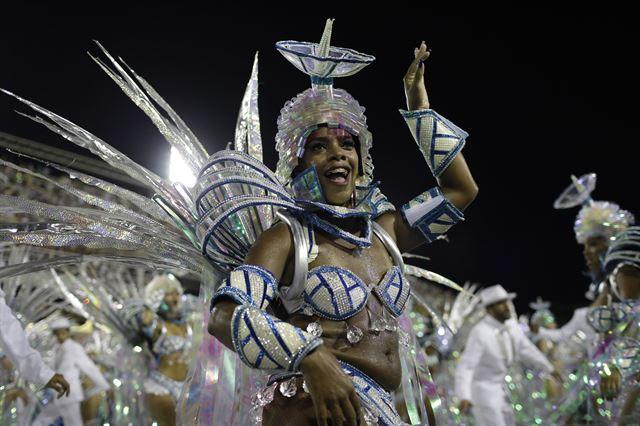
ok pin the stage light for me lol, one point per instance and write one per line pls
(179, 171)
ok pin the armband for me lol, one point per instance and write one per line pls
(431, 213)
(265, 342)
(438, 139)
(247, 285)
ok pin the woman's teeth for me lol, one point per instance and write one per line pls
(338, 175)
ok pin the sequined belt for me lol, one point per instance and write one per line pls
(377, 403)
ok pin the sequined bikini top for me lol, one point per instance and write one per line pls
(167, 343)
(337, 293)
(334, 292)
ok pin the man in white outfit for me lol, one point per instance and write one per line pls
(494, 344)
(15, 346)
(70, 360)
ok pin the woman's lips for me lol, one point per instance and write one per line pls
(338, 175)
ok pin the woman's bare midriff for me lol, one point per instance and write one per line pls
(376, 354)
(172, 365)
(173, 369)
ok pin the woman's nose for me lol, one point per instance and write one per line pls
(336, 151)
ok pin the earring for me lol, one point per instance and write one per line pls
(353, 199)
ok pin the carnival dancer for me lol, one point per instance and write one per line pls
(595, 226)
(494, 344)
(336, 265)
(164, 326)
(542, 318)
(577, 341)
(71, 360)
(619, 367)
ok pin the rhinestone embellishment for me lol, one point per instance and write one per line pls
(354, 334)
(315, 328)
(288, 388)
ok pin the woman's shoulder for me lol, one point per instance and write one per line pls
(278, 235)
(272, 248)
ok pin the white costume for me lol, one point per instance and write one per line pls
(71, 360)
(14, 344)
(578, 323)
(491, 349)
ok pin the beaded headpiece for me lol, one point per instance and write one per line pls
(158, 287)
(542, 315)
(322, 104)
(596, 218)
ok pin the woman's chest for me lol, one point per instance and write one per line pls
(368, 264)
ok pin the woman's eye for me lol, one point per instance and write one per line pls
(348, 143)
(317, 147)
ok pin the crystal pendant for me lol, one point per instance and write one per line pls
(391, 325)
(315, 328)
(288, 388)
(265, 396)
(304, 386)
(354, 334)
(379, 324)
(369, 418)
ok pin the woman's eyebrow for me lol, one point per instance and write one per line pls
(320, 139)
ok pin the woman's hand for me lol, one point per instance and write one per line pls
(414, 88)
(334, 398)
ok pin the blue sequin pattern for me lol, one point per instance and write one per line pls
(248, 285)
(431, 213)
(337, 293)
(264, 342)
(438, 139)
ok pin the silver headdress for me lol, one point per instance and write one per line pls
(158, 287)
(596, 218)
(322, 103)
(542, 315)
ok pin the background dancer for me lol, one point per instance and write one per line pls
(493, 345)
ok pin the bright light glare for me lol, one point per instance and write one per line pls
(179, 171)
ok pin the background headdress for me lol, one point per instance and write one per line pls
(596, 218)
(542, 315)
(322, 103)
(158, 287)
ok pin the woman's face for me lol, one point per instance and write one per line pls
(172, 299)
(334, 153)
(628, 281)
(593, 249)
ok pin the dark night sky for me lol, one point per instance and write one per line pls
(541, 96)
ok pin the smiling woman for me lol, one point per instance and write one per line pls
(319, 294)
